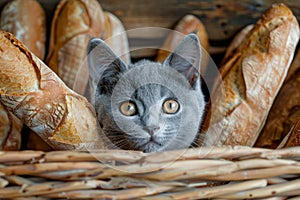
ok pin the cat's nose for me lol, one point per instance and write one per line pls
(151, 129)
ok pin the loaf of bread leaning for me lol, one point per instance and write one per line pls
(73, 24)
(35, 94)
(251, 78)
(27, 21)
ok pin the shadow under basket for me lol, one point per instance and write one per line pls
(200, 173)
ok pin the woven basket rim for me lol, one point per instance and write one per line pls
(230, 172)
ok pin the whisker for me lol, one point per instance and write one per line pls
(121, 144)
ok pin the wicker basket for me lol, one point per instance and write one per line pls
(214, 173)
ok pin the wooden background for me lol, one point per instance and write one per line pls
(222, 19)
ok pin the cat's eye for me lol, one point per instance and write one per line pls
(170, 106)
(128, 108)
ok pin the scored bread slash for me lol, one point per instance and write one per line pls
(27, 21)
(73, 24)
(251, 78)
(35, 94)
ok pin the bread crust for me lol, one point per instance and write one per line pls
(27, 21)
(285, 111)
(64, 119)
(73, 24)
(252, 77)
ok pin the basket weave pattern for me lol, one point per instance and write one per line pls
(220, 172)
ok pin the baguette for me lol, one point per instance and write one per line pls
(34, 94)
(251, 78)
(186, 25)
(74, 22)
(26, 19)
(285, 111)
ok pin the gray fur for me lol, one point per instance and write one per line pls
(148, 84)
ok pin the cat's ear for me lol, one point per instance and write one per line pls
(186, 59)
(105, 68)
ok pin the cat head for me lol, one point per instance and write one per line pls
(148, 106)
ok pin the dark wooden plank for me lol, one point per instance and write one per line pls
(222, 19)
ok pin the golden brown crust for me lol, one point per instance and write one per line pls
(285, 111)
(188, 24)
(10, 81)
(27, 21)
(64, 119)
(74, 22)
(252, 77)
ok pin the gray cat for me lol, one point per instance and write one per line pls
(148, 106)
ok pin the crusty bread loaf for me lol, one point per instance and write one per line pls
(252, 77)
(116, 37)
(74, 22)
(188, 24)
(26, 19)
(285, 111)
(35, 94)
